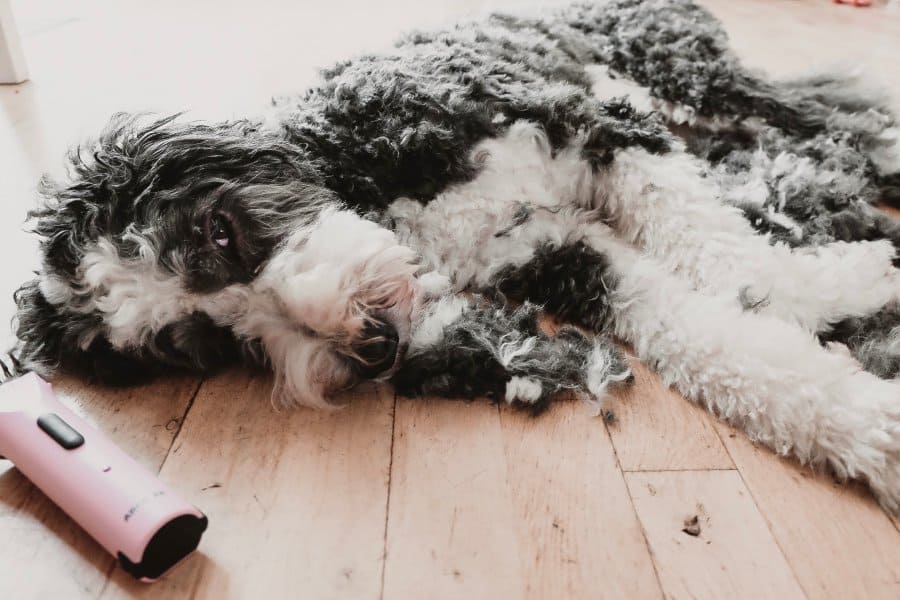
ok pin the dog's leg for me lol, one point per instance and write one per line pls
(666, 207)
(462, 349)
(775, 382)
(680, 52)
(770, 379)
(678, 55)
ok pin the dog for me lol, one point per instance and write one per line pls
(410, 217)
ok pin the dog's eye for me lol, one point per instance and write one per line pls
(220, 231)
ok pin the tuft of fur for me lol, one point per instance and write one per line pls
(472, 351)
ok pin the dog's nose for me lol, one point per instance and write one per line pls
(377, 351)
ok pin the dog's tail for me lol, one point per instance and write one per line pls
(680, 53)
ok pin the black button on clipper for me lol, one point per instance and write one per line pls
(60, 431)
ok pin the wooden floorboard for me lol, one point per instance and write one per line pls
(654, 429)
(838, 541)
(451, 528)
(46, 554)
(578, 536)
(296, 499)
(427, 498)
(729, 552)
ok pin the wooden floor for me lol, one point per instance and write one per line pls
(399, 498)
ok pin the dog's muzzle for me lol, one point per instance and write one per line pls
(378, 351)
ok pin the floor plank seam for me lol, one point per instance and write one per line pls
(896, 522)
(201, 380)
(107, 579)
(387, 506)
(765, 517)
(637, 517)
(689, 470)
(181, 423)
(891, 518)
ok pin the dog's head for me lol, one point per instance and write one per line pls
(189, 245)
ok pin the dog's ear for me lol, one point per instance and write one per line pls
(49, 337)
(196, 343)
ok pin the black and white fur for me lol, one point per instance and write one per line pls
(613, 164)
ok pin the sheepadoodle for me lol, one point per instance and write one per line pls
(613, 165)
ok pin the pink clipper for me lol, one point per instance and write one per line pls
(118, 502)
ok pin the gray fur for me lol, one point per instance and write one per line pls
(486, 346)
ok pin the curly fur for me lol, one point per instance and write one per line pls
(613, 164)
(501, 354)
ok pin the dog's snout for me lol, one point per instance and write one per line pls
(377, 350)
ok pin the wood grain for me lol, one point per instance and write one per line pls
(838, 541)
(452, 528)
(475, 492)
(734, 555)
(296, 500)
(578, 536)
(655, 429)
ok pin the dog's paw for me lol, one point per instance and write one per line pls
(839, 348)
(524, 390)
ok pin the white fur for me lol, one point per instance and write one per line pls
(136, 297)
(664, 205)
(677, 304)
(599, 379)
(307, 305)
(606, 85)
(509, 351)
(517, 169)
(428, 329)
(772, 380)
(314, 296)
(887, 156)
(523, 389)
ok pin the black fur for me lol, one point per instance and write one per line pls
(70, 342)
(376, 128)
(389, 126)
(572, 282)
(174, 176)
(191, 344)
(468, 364)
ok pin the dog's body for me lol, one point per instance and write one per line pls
(332, 241)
